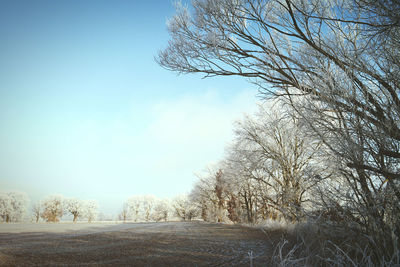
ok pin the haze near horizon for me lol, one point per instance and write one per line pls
(86, 112)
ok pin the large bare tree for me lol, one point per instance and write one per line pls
(337, 63)
(343, 54)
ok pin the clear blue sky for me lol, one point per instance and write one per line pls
(86, 112)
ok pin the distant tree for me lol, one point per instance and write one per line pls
(124, 212)
(5, 207)
(147, 205)
(184, 208)
(161, 210)
(53, 208)
(75, 207)
(134, 204)
(37, 211)
(13, 206)
(90, 210)
(146, 208)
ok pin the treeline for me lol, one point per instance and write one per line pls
(14, 207)
(145, 208)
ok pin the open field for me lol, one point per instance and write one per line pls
(135, 244)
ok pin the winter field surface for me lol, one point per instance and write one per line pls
(135, 244)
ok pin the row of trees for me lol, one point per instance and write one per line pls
(14, 208)
(334, 67)
(149, 208)
(52, 208)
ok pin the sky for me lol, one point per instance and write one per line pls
(86, 112)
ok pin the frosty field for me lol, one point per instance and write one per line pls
(135, 244)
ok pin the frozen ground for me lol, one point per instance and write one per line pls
(134, 244)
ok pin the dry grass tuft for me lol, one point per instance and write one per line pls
(320, 244)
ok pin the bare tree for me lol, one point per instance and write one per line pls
(37, 211)
(162, 210)
(53, 208)
(273, 152)
(242, 174)
(184, 208)
(147, 205)
(124, 212)
(75, 207)
(5, 207)
(134, 206)
(13, 206)
(141, 207)
(90, 210)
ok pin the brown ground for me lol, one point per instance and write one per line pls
(136, 244)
